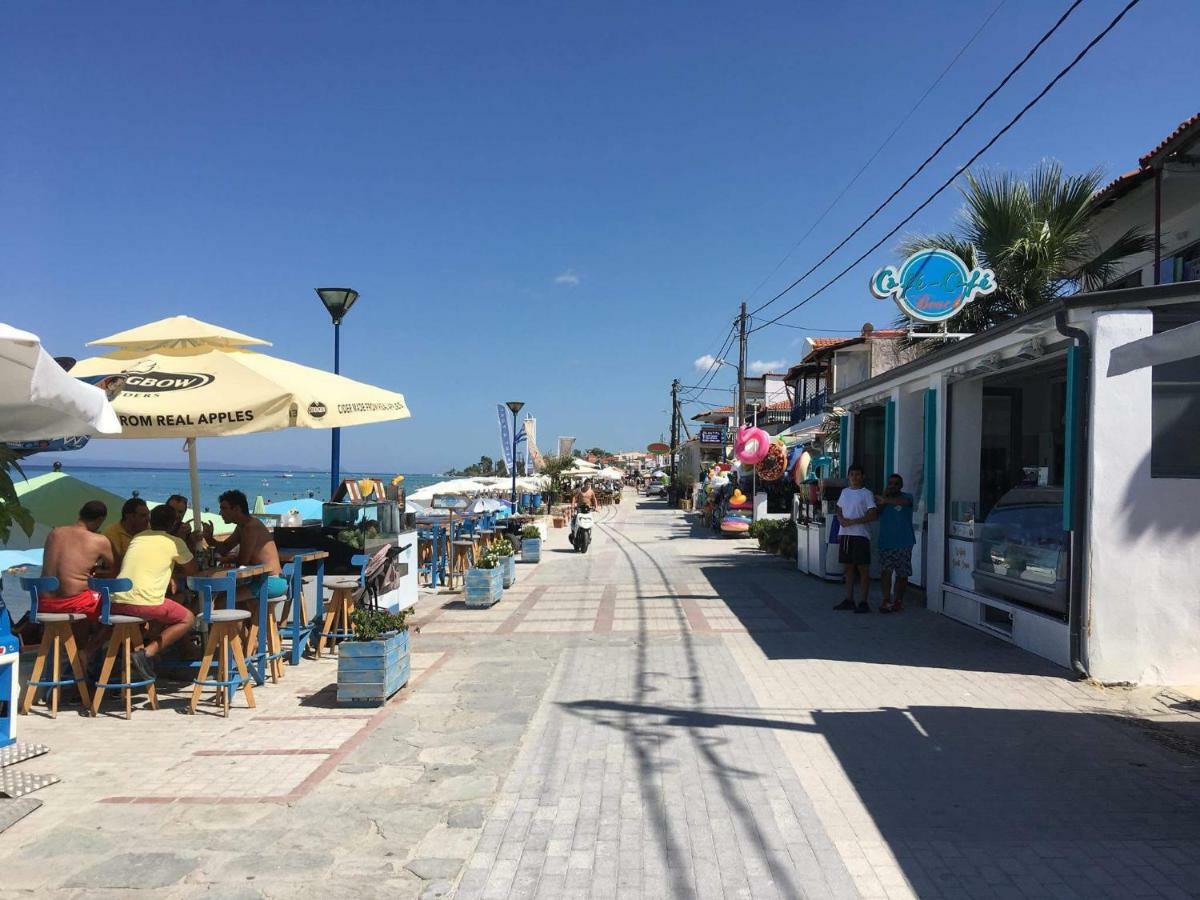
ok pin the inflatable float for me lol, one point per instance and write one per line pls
(735, 525)
(751, 445)
(738, 500)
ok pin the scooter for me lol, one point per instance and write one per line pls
(581, 535)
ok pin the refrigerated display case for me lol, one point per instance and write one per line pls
(1021, 550)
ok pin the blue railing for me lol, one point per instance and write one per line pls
(810, 407)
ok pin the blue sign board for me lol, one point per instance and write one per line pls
(932, 285)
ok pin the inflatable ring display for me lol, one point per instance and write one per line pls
(774, 464)
(751, 445)
(738, 500)
(735, 525)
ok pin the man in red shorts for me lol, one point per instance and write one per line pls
(148, 563)
(73, 554)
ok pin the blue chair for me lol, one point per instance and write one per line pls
(336, 625)
(301, 629)
(126, 637)
(57, 638)
(431, 554)
(224, 643)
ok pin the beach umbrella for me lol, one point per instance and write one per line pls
(184, 378)
(38, 400)
(486, 505)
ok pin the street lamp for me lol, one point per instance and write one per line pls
(515, 407)
(338, 301)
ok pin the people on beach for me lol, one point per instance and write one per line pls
(896, 541)
(149, 563)
(856, 508)
(135, 518)
(73, 554)
(250, 544)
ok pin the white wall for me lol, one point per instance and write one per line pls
(1180, 219)
(1144, 533)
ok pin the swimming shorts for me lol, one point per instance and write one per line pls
(276, 586)
(86, 602)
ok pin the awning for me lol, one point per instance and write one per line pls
(1167, 347)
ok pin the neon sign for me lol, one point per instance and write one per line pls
(932, 285)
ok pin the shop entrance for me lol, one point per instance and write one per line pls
(869, 440)
(1007, 457)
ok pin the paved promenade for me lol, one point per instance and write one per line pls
(670, 716)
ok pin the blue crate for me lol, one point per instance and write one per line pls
(508, 569)
(371, 671)
(484, 587)
(531, 550)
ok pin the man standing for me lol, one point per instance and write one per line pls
(896, 541)
(856, 507)
(149, 563)
(135, 518)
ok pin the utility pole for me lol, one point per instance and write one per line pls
(741, 391)
(674, 434)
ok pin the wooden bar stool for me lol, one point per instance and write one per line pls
(462, 557)
(57, 639)
(336, 625)
(224, 643)
(126, 637)
(271, 664)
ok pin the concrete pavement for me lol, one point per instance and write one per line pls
(672, 715)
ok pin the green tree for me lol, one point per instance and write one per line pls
(11, 510)
(1036, 234)
(553, 468)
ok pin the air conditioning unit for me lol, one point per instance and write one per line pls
(989, 363)
(1031, 349)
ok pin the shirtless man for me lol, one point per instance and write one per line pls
(73, 554)
(250, 544)
(585, 496)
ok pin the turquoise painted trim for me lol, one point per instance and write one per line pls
(1072, 429)
(930, 447)
(889, 438)
(843, 445)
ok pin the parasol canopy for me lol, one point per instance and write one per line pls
(39, 400)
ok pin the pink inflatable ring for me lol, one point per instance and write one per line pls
(752, 445)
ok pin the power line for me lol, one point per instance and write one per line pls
(822, 330)
(949, 181)
(878, 150)
(711, 371)
(907, 181)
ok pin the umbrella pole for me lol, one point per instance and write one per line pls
(194, 474)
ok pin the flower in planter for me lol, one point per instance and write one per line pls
(371, 624)
(531, 531)
(503, 547)
(487, 560)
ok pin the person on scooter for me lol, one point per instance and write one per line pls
(585, 496)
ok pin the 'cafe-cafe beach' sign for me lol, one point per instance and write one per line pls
(932, 285)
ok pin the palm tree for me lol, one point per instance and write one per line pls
(1036, 235)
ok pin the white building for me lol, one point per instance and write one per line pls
(1058, 494)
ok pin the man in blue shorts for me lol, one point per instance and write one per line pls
(896, 541)
(250, 544)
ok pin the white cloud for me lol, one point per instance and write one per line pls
(569, 278)
(766, 365)
(704, 363)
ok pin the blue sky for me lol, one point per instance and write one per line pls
(560, 203)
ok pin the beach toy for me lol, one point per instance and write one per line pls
(738, 500)
(735, 525)
(751, 445)
(773, 464)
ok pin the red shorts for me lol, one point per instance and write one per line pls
(85, 602)
(166, 613)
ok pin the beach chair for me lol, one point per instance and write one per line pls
(57, 639)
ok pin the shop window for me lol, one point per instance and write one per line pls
(1175, 406)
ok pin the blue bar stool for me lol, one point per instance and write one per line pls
(57, 638)
(300, 630)
(339, 607)
(224, 642)
(126, 637)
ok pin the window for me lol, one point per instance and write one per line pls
(1175, 406)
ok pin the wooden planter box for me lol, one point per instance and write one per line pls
(508, 569)
(531, 550)
(371, 671)
(484, 587)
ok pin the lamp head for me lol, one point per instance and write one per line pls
(514, 406)
(338, 301)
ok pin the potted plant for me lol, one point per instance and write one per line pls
(531, 544)
(485, 581)
(373, 664)
(504, 549)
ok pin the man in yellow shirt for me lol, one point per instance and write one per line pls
(148, 563)
(135, 516)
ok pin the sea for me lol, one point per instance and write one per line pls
(271, 484)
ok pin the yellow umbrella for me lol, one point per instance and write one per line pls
(203, 383)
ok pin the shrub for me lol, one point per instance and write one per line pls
(371, 624)
(488, 560)
(787, 541)
(530, 531)
(503, 547)
(769, 533)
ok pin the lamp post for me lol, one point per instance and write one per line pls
(338, 301)
(515, 407)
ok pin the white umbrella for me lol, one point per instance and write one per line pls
(453, 486)
(486, 505)
(185, 378)
(38, 400)
(611, 474)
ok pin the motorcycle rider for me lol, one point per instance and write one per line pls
(585, 496)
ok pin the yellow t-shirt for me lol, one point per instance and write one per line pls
(119, 538)
(148, 564)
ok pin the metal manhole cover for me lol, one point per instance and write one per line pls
(19, 752)
(17, 784)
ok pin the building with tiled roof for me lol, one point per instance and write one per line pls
(1162, 198)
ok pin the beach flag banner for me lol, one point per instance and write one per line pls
(505, 437)
(533, 456)
(565, 446)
